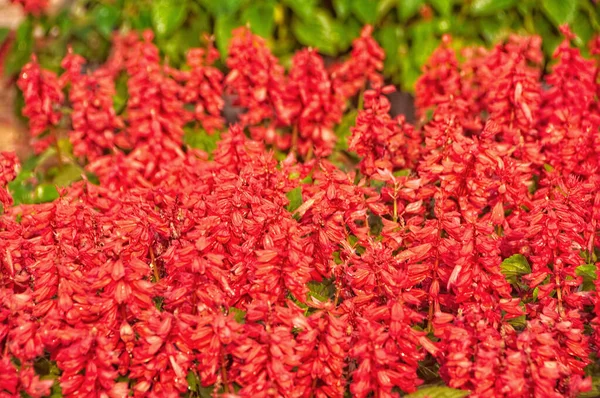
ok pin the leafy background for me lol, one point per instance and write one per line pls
(409, 30)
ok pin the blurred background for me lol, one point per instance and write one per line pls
(408, 30)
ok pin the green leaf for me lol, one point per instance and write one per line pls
(121, 94)
(142, 19)
(410, 73)
(342, 131)
(222, 7)
(515, 266)
(383, 7)
(321, 32)
(168, 16)
(490, 7)
(68, 174)
(587, 271)
(21, 188)
(424, 42)
(322, 291)
(305, 9)
(193, 381)
(20, 52)
(408, 8)
(437, 392)
(176, 46)
(158, 302)
(3, 35)
(238, 315)
(45, 193)
(223, 27)
(207, 392)
(545, 29)
(347, 32)
(390, 38)
(582, 27)
(261, 18)
(106, 18)
(342, 8)
(402, 173)
(444, 7)
(295, 198)
(200, 139)
(560, 11)
(589, 274)
(491, 29)
(519, 322)
(365, 10)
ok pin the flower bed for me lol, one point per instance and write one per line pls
(319, 247)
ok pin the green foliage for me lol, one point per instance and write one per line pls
(198, 138)
(437, 392)
(322, 291)
(409, 30)
(589, 274)
(560, 11)
(514, 267)
(295, 198)
(238, 315)
(168, 16)
(21, 49)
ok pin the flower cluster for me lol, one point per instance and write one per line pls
(462, 249)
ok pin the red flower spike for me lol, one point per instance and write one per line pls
(93, 117)
(9, 166)
(204, 87)
(319, 107)
(364, 65)
(43, 97)
(256, 78)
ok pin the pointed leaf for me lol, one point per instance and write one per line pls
(295, 198)
(408, 8)
(238, 315)
(437, 392)
(261, 18)
(587, 271)
(489, 7)
(200, 139)
(515, 266)
(302, 8)
(67, 175)
(322, 291)
(168, 16)
(560, 11)
(342, 8)
(444, 7)
(365, 10)
(45, 193)
(321, 32)
(224, 24)
(106, 17)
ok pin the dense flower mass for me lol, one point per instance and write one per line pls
(252, 261)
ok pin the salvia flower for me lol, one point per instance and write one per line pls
(43, 98)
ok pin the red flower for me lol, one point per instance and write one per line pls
(364, 65)
(255, 78)
(34, 7)
(204, 87)
(43, 98)
(93, 117)
(319, 106)
(9, 166)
